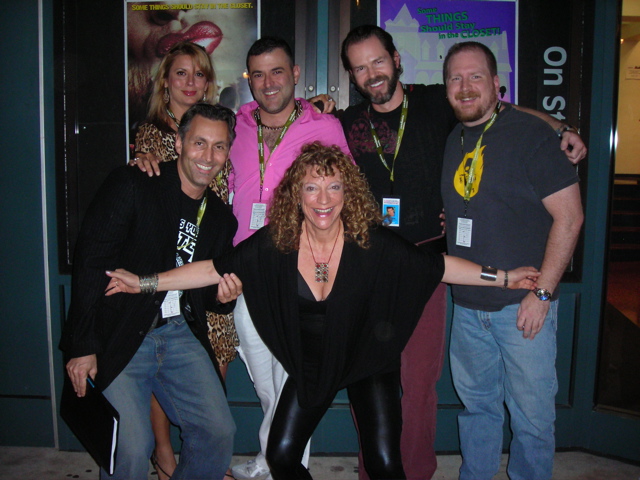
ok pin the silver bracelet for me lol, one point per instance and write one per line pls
(489, 274)
(149, 283)
(145, 283)
(506, 280)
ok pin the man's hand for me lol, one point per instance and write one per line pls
(578, 149)
(569, 137)
(147, 162)
(229, 288)
(531, 315)
(78, 369)
(328, 103)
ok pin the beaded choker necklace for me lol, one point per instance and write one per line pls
(256, 115)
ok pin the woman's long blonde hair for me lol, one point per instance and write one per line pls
(157, 107)
(360, 210)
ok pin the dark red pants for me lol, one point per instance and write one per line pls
(422, 361)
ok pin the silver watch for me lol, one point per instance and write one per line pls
(543, 294)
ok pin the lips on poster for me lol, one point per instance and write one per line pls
(424, 30)
(225, 30)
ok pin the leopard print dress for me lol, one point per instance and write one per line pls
(222, 330)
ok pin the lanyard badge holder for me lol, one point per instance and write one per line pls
(259, 208)
(391, 204)
(465, 224)
(171, 304)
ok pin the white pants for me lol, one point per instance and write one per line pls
(267, 374)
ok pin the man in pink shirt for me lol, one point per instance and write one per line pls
(270, 133)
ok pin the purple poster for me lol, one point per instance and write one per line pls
(424, 30)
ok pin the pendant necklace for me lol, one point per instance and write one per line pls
(322, 268)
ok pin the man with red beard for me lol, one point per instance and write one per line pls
(397, 136)
(511, 199)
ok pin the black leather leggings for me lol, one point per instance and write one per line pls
(376, 406)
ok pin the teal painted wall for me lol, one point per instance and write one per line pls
(25, 394)
(28, 345)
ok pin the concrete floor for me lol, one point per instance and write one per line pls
(26, 463)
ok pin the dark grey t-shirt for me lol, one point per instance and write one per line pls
(520, 164)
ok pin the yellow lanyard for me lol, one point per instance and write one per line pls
(378, 144)
(472, 168)
(286, 126)
(201, 210)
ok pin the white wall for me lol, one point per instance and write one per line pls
(628, 148)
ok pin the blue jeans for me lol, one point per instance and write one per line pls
(492, 364)
(172, 364)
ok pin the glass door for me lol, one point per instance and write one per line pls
(618, 388)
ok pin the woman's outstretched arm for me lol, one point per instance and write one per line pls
(193, 275)
(463, 272)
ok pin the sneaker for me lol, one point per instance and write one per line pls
(250, 469)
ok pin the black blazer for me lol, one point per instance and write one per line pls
(133, 223)
(376, 302)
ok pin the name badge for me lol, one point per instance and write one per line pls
(391, 212)
(258, 216)
(171, 304)
(463, 234)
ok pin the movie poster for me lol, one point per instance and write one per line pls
(225, 30)
(424, 30)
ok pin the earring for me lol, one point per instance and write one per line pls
(166, 97)
(204, 97)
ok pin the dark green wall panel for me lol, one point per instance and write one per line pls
(26, 422)
(565, 335)
(24, 377)
(336, 432)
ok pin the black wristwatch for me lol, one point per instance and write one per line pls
(566, 128)
(543, 294)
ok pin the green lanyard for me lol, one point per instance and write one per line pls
(201, 210)
(286, 126)
(376, 139)
(472, 168)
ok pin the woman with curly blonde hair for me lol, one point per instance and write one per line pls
(359, 213)
(335, 297)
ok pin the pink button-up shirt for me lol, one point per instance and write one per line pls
(244, 180)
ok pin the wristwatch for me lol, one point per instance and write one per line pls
(542, 293)
(566, 128)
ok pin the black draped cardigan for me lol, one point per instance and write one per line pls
(376, 301)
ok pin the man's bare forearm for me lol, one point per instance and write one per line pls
(566, 209)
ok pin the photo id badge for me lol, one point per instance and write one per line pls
(463, 235)
(391, 212)
(258, 216)
(171, 304)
